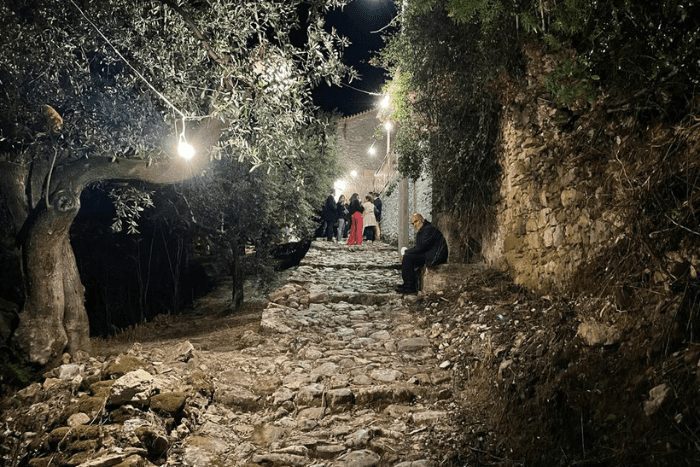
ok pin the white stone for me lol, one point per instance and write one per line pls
(69, 371)
(135, 386)
(429, 417)
(385, 375)
(593, 333)
(413, 343)
(77, 419)
(657, 396)
(364, 458)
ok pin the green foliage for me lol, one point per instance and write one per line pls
(251, 63)
(231, 58)
(485, 11)
(129, 203)
(257, 207)
(648, 50)
(390, 188)
(449, 57)
(442, 75)
(571, 83)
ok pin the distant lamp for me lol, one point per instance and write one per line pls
(353, 173)
(386, 100)
(388, 126)
(340, 185)
(372, 151)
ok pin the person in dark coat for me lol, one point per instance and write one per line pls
(330, 216)
(430, 250)
(377, 215)
(377, 206)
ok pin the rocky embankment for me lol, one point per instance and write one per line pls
(339, 371)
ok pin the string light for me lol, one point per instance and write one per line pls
(184, 149)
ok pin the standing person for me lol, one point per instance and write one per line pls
(378, 215)
(368, 218)
(430, 250)
(355, 209)
(343, 216)
(330, 216)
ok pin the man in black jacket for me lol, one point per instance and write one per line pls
(430, 250)
(377, 215)
(330, 216)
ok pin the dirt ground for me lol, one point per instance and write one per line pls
(538, 386)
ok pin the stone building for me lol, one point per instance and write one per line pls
(356, 134)
(377, 172)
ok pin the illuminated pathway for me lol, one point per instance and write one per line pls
(345, 374)
(337, 372)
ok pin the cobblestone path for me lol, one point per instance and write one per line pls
(344, 375)
(338, 373)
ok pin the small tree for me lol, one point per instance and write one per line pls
(254, 208)
(120, 83)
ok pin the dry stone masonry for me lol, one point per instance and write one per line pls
(338, 373)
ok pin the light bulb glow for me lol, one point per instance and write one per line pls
(388, 126)
(340, 185)
(353, 174)
(386, 100)
(185, 150)
(372, 151)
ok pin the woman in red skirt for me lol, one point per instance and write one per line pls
(356, 227)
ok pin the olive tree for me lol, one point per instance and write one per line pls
(105, 90)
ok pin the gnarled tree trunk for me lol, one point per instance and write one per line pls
(53, 318)
(53, 305)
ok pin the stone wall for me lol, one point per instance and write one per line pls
(553, 215)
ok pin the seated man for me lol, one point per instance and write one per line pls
(430, 250)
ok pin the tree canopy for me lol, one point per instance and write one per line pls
(123, 75)
(105, 90)
(451, 60)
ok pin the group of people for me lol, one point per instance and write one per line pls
(361, 220)
(355, 219)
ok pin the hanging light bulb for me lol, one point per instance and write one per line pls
(185, 149)
(372, 151)
(388, 126)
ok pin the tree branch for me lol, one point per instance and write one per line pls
(76, 175)
(221, 60)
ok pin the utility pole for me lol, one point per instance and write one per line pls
(403, 188)
(403, 213)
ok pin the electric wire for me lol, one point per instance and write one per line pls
(143, 78)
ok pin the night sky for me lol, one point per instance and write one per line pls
(355, 22)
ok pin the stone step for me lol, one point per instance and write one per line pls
(446, 276)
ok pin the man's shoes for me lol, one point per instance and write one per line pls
(402, 289)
